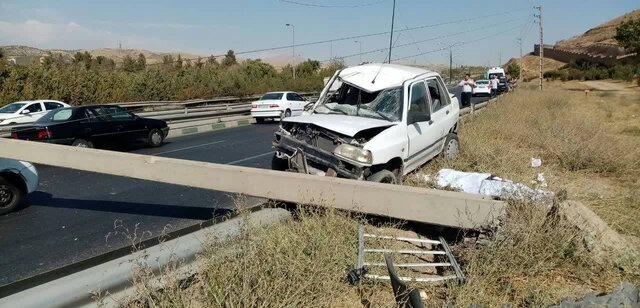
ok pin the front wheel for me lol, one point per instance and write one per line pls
(155, 138)
(451, 147)
(384, 176)
(10, 196)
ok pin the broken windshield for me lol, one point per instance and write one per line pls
(349, 100)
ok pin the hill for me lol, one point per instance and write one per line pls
(531, 65)
(600, 39)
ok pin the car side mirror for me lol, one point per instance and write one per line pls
(416, 117)
(25, 111)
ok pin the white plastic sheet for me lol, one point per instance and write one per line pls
(486, 184)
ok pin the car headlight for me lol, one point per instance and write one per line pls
(354, 154)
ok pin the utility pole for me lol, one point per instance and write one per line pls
(450, 65)
(393, 17)
(293, 53)
(520, 66)
(541, 50)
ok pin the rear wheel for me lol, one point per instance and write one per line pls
(384, 176)
(451, 147)
(259, 120)
(155, 138)
(279, 163)
(287, 113)
(81, 143)
(10, 196)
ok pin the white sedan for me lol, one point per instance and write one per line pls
(483, 87)
(273, 105)
(27, 111)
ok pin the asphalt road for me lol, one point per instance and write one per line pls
(76, 215)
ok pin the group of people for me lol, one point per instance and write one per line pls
(468, 84)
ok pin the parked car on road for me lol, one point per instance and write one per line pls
(90, 126)
(275, 105)
(17, 178)
(383, 122)
(27, 111)
(482, 88)
(503, 84)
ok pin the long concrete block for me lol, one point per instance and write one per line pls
(431, 206)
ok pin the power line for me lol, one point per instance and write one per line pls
(423, 41)
(349, 37)
(332, 6)
(463, 43)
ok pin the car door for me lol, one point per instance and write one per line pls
(441, 111)
(420, 131)
(101, 128)
(36, 111)
(298, 104)
(127, 125)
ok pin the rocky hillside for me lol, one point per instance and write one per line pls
(600, 39)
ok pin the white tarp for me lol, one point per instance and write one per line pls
(486, 184)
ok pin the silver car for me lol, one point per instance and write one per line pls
(17, 178)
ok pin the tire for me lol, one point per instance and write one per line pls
(451, 147)
(384, 176)
(287, 113)
(259, 120)
(279, 164)
(155, 138)
(10, 196)
(81, 143)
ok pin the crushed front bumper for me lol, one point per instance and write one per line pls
(304, 158)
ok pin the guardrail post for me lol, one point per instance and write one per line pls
(186, 110)
(473, 109)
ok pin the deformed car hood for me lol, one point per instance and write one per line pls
(343, 124)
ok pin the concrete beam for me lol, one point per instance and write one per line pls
(431, 206)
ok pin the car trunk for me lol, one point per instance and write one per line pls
(32, 132)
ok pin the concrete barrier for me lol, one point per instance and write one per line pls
(431, 206)
(114, 277)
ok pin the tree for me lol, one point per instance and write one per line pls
(179, 62)
(229, 58)
(513, 70)
(129, 64)
(141, 63)
(212, 61)
(307, 68)
(628, 35)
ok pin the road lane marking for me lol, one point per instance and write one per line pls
(249, 158)
(188, 148)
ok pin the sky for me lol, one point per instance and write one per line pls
(482, 32)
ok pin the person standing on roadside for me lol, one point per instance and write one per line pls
(494, 85)
(467, 85)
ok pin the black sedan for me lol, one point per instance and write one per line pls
(89, 126)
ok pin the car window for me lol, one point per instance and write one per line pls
(290, 97)
(438, 98)
(297, 97)
(97, 114)
(273, 96)
(419, 101)
(35, 107)
(62, 115)
(52, 105)
(118, 114)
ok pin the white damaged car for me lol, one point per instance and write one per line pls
(374, 122)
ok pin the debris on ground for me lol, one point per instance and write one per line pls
(536, 162)
(489, 185)
(624, 295)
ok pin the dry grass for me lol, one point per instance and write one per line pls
(585, 143)
(534, 260)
